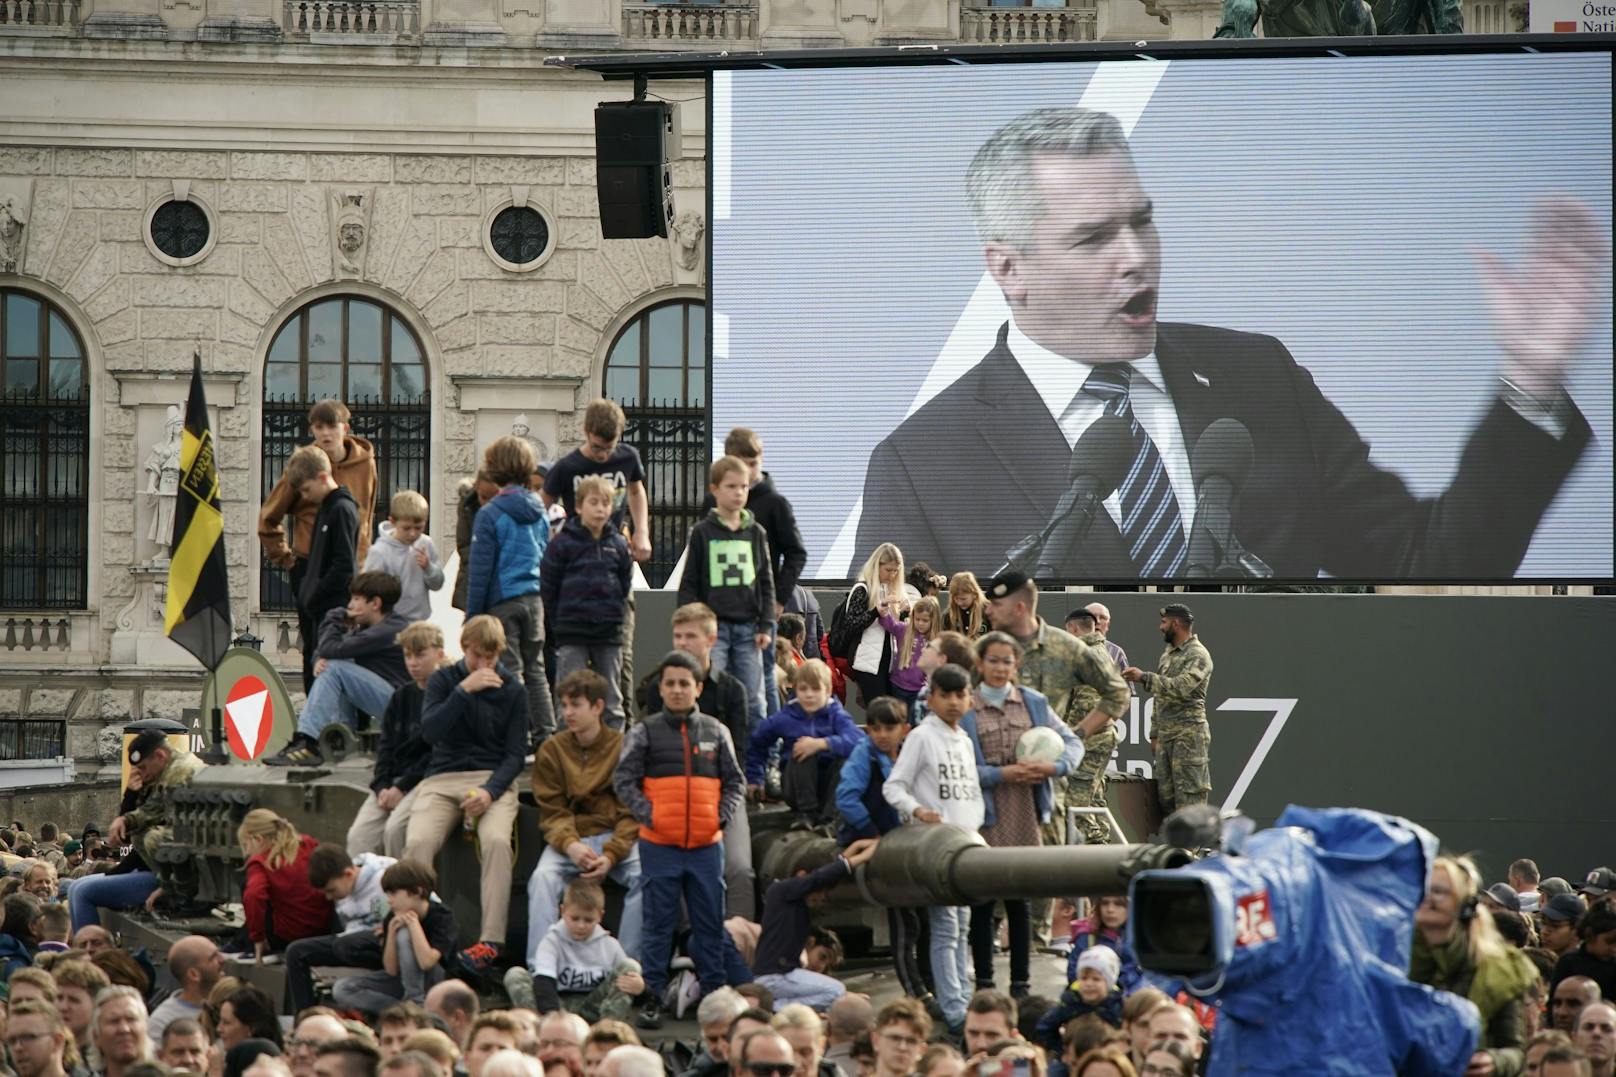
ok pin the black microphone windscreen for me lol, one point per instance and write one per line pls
(1224, 450)
(1104, 452)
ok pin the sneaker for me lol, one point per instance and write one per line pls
(519, 988)
(1019, 991)
(480, 957)
(301, 752)
(650, 1014)
(934, 1008)
(689, 994)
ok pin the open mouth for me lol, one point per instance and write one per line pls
(1141, 305)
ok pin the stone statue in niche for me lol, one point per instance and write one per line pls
(163, 482)
(688, 228)
(10, 236)
(353, 226)
(521, 429)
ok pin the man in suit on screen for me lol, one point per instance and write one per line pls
(1068, 236)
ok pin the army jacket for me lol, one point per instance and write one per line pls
(1058, 664)
(1180, 682)
(1085, 697)
(155, 807)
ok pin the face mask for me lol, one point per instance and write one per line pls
(994, 697)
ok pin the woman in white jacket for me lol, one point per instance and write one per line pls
(879, 589)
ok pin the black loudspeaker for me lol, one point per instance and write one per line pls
(632, 175)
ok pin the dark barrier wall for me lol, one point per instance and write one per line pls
(1488, 720)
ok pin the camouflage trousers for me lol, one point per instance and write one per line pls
(1085, 787)
(1183, 767)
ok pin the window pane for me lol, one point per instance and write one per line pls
(66, 378)
(325, 380)
(626, 352)
(284, 348)
(407, 381)
(697, 337)
(404, 349)
(62, 344)
(22, 375)
(667, 336)
(364, 333)
(325, 334)
(364, 381)
(280, 380)
(623, 385)
(696, 392)
(22, 326)
(665, 385)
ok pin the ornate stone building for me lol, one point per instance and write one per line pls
(391, 201)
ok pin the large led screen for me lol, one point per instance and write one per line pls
(1282, 318)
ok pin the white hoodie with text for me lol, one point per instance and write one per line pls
(936, 769)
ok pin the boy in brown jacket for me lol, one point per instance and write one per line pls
(588, 832)
(353, 465)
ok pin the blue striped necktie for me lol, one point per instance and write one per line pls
(1152, 527)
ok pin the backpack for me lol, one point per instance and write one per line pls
(842, 637)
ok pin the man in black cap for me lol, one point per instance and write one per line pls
(162, 769)
(1560, 915)
(1596, 888)
(1179, 734)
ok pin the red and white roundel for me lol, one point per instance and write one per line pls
(249, 715)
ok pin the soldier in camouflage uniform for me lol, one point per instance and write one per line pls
(1178, 731)
(1085, 786)
(162, 769)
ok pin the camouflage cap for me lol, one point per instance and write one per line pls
(1179, 610)
(141, 748)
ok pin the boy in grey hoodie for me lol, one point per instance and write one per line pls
(403, 549)
(354, 886)
(934, 782)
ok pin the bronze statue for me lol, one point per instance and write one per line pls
(1340, 18)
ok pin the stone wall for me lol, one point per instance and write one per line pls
(89, 800)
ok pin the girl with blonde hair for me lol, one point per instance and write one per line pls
(879, 589)
(911, 637)
(281, 905)
(967, 606)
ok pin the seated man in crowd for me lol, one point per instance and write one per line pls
(196, 965)
(358, 665)
(475, 717)
(160, 768)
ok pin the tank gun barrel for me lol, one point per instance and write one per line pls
(943, 865)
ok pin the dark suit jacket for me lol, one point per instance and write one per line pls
(982, 465)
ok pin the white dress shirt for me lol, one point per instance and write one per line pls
(1059, 382)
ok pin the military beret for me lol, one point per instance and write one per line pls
(145, 744)
(71, 847)
(1179, 610)
(1007, 583)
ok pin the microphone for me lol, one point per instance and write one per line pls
(1220, 464)
(1099, 460)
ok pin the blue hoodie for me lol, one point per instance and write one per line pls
(507, 542)
(790, 722)
(864, 808)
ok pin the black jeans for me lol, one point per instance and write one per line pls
(1020, 924)
(357, 949)
(903, 925)
(810, 785)
(308, 626)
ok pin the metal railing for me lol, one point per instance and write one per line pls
(44, 500)
(32, 738)
(689, 22)
(1041, 25)
(41, 14)
(672, 443)
(392, 19)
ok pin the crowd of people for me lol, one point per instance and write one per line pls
(978, 713)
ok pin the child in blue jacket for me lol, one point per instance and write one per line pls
(817, 733)
(508, 539)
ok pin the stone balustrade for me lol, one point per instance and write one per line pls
(1027, 25)
(353, 21)
(39, 15)
(687, 24)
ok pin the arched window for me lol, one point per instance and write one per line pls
(44, 457)
(358, 351)
(657, 369)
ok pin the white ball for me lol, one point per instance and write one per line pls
(1040, 744)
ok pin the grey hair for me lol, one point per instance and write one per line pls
(635, 1061)
(509, 1063)
(999, 185)
(725, 1004)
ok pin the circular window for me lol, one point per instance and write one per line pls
(179, 231)
(518, 236)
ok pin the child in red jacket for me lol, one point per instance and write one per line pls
(281, 905)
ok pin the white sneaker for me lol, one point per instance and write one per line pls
(689, 993)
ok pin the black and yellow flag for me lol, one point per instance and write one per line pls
(198, 617)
